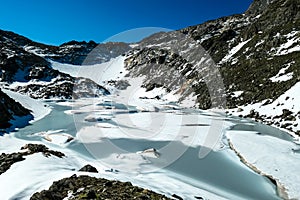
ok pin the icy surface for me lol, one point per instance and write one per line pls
(272, 156)
(46, 170)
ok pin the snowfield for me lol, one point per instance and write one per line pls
(99, 73)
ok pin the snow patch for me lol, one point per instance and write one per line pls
(289, 101)
(281, 76)
(99, 73)
(292, 44)
(233, 51)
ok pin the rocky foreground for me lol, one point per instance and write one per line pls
(85, 187)
(79, 187)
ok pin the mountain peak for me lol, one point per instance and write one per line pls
(258, 6)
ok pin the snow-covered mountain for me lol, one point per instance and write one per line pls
(25, 68)
(246, 65)
(254, 58)
(231, 62)
(256, 55)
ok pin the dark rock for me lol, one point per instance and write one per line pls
(10, 108)
(108, 184)
(240, 110)
(94, 188)
(7, 160)
(91, 194)
(88, 168)
(177, 197)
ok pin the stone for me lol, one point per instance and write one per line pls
(88, 168)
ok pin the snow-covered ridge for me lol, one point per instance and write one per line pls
(38, 51)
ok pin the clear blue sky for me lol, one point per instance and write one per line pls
(58, 21)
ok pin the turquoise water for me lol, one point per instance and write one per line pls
(229, 178)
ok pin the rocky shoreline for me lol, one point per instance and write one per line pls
(281, 190)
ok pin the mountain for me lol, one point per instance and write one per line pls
(26, 68)
(256, 55)
(247, 64)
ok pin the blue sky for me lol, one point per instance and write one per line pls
(58, 21)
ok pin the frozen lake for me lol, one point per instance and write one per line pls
(115, 142)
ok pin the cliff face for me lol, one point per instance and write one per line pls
(258, 7)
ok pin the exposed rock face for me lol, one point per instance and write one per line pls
(9, 108)
(92, 54)
(178, 64)
(78, 53)
(254, 51)
(72, 52)
(22, 60)
(258, 6)
(63, 88)
(261, 58)
(85, 187)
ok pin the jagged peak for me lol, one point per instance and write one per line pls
(74, 42)
(258, 6)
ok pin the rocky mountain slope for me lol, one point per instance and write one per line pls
(256, 55)
(25, 68)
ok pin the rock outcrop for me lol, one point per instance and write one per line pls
(7, 160)
(85, 187)
(9, 111)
